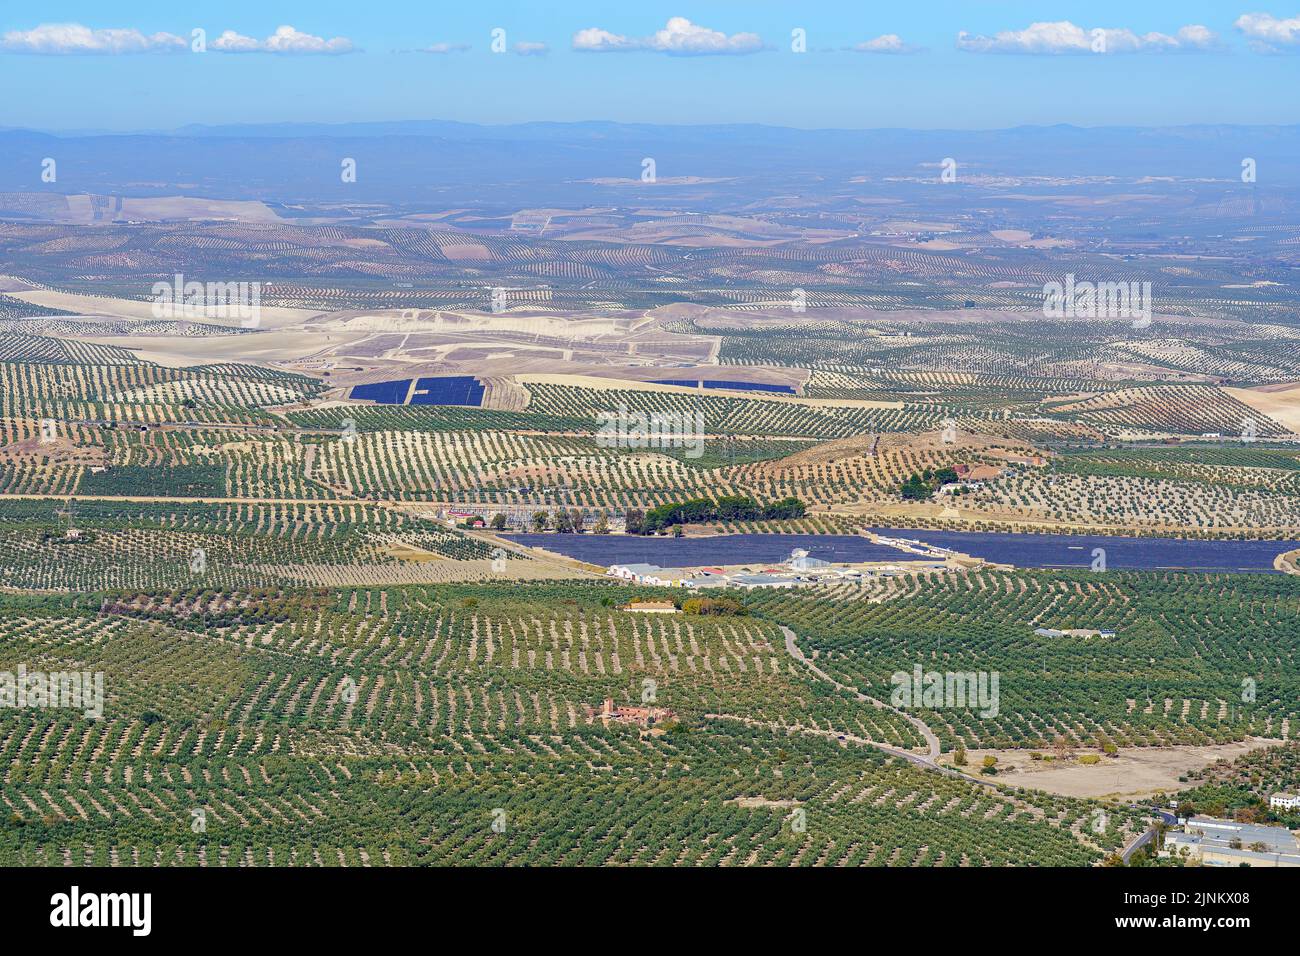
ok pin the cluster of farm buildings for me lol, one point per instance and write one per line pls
(629, 713)
(799, 570)
(1210, 841)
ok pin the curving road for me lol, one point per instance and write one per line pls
(928, 761)
(792, 648)
(1164, 816)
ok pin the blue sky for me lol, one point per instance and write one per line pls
(1164, 63)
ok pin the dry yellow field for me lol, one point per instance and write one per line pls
(271, 316)
(1137, 772)
(183, 351)
(1279, 402)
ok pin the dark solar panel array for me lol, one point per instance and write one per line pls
(449, 390)
(749, 386)
(684, 382)
(718, 383)
(385, 393)
(452, 390)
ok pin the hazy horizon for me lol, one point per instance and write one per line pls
(605, 121)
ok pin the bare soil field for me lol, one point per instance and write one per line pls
(404, 551)
(174, 351)
(899, 225)
(84, 209)
(271, 316)
(438, 321)
(660, 181)
(1136, 773)
(1278, 402)
(193, 207)
(466, 252)
(60, 451)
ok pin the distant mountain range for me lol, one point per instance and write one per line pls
(424, 160)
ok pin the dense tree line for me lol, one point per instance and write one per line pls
(702, 510)
(923, 486)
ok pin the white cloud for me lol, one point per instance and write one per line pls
(679, 37)
(289, 40)
(888, 43)
(1268, 34)
(1198, 37)
(1065, 37)
(531, 48)
(596, 40)
(285, 40)
(73, 38)
(444, 48)
(232, 42)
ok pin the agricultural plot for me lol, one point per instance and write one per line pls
(139, 393)
(1178, 410)
(1193, 658)
(297, 653)
(42, 349)
(735, 416)
(84, 545)
(1247, 464)
(1245, 785)
(490, 467)
(368, 418)
(1214, 501)
(446, 726)
(1018, 347)
(195, 463)
(869, 470)
(12, 308)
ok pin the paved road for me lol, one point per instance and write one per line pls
(1142, 839)
(1138, 842)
